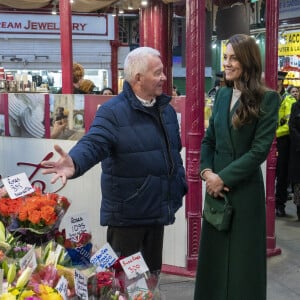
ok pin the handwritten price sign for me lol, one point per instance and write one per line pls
(134, 265)
(81, 281)
(62, 287)
(17, 185)
(104, 258)
(28, 260)
(76, 225)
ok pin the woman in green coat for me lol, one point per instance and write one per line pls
(232, 264)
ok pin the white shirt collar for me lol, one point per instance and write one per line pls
(147, 103)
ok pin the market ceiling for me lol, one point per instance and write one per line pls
(77, 5)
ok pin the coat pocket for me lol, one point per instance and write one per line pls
(146, 202)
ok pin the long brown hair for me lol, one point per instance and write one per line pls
(252, 89)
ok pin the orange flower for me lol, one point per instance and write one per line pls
(48, 214)
(35, 216)
(9, 206)
(37, 211)
(23, 214)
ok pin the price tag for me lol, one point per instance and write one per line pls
(58, 251)
(134, 265)
(17, 185)
(104, 258)
(62, 287)
(137, 288)
(28, 260)
(76, 225)
(81, 288)
(51, 259)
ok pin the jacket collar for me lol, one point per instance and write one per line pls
(161, 100)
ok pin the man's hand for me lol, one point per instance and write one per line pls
(63, 168)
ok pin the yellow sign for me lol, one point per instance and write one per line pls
(291, 46)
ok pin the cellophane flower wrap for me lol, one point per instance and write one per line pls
(30, 284)
(80, 250)
(113, 284)
(35, 217)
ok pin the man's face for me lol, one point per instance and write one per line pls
(151, 82)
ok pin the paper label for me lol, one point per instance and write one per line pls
(28, 260)
(134, 265)
(81, 288)
(17, 185)
(76, 225)
(62, 287)
(104, 258)
(138, 288)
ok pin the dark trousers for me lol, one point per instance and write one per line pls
(126, 241)
(282, 170)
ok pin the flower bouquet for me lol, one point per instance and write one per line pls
(35, 217)
(79, 250)
(113, 284)
(32, 285)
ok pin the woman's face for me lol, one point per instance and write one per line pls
(295, 92)
(232, 67)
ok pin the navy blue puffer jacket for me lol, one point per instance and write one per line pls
(143, 179)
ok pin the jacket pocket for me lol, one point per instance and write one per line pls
(178, 189)
(146, 202)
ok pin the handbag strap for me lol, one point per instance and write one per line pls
(226, 198)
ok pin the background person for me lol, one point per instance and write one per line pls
(175, 91)
(136, 136)
(293, 91)
(232, 265)
(294, 170)
(78, 74)
(219, 82)
(86, 86)
(107, 91)
(283, 146)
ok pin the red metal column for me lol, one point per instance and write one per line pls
(195, 66)
(272, 21)
(114, 58)
(156, 32)
(66, 46)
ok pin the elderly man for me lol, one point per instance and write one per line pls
(136, 137)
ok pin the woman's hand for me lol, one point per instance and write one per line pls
(214, 184)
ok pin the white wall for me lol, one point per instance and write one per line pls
(84, 192)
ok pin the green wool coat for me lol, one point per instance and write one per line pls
(232, 265)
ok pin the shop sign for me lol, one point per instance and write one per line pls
(291, 46)
(50, 25)
(289, 9)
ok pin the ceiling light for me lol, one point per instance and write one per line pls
(130, 6)
(54, 10)
(114, 12)
(214, 43)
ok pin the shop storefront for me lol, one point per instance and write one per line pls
(30, 46)
(289, 57)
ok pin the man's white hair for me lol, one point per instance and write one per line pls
(137, 61)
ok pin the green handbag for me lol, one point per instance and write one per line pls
(218, 212)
